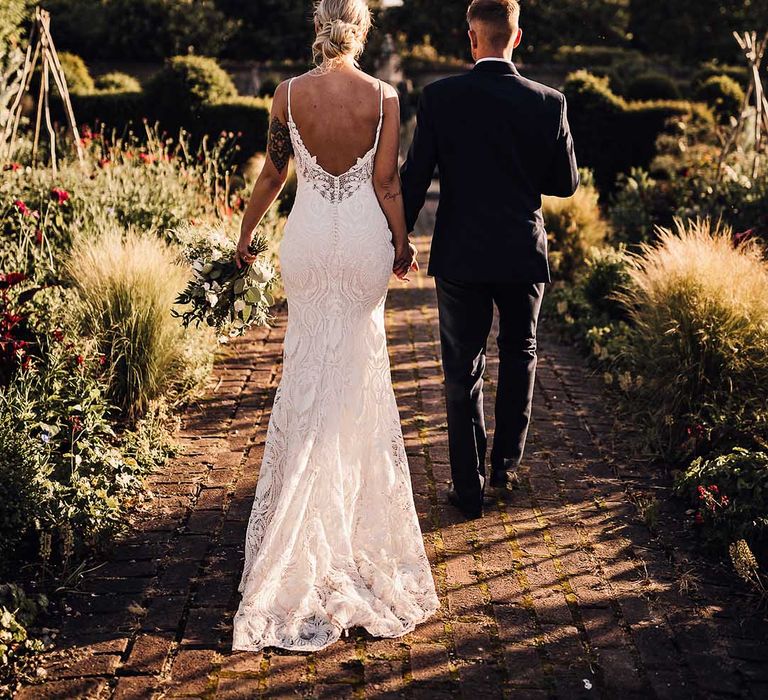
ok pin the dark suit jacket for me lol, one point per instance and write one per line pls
(499, 142)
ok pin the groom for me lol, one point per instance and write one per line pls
(499, 141)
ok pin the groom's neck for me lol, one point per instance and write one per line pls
(502, 55)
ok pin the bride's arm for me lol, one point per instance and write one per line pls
(273, 174)
(386, 182)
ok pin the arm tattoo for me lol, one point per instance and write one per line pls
(279, 147)
(393, 196)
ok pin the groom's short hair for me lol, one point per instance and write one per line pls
(502, 16)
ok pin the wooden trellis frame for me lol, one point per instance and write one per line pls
(754, 52)
(41, 48)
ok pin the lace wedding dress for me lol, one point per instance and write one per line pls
(333, 540)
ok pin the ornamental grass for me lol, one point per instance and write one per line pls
(698, 304)
(127, 286)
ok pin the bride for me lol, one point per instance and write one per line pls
(333, 540)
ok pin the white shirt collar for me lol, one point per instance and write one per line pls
(492, 58)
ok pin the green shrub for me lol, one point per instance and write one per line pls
(634, 208)
(127, 288)
(18, 653)
(23, 471)
(613, 135)
(79, 80)
(723, 94)
(117, 82)
(730, 494)
(575, 225)
(699, 311)
(595, 56)
(186, 83)
(653, 86)
(247, 116)
(739, 73)
(117, 110)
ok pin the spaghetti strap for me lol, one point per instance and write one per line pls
(381, 115)
(290, 85)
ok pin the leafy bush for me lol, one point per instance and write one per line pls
(653, 86)
(60, 405)
(739, 73)
(699, 311)
(186, 83)
(723, 94)
(79, 80)
(248, 117)
(730, 494)
(634, 207)
(18, 652)
(23, 470)
(117, 82)
(589, 311)
(127, 288)
(599, 56)
(613, 135)
(574, 226)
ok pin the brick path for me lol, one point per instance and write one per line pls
(563, 592)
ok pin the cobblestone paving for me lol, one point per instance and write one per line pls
(560, 593)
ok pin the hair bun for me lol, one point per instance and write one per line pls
(343, 26)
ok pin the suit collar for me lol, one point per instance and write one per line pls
(498, 67)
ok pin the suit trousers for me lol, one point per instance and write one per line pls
(466, 317)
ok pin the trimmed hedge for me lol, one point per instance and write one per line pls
(117, 82)
(189, 82)
(613, 135)
(118, 110)
(723, 94)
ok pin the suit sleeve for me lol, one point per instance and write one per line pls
(562, 179)
(419, 167)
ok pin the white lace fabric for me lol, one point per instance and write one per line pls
(333, 540)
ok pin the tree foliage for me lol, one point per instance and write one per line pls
(695, 29)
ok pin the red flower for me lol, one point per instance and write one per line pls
(38, 236)
(61, 194)
(147, 158)
(80, 360)
(102, 360)
(58, 335)
(714, 489)
(724, 501)
(104, 162)
(12, 166)
(11, 279)
(129, 154)
(702, 491)
(23, 208)
(699, 519)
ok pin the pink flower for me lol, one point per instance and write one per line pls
(12, 166)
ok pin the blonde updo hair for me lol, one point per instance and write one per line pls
(342, 28)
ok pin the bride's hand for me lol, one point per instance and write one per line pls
(405, 261)
(244, 256)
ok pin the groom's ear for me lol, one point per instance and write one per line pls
(473, 39)
(518, 38)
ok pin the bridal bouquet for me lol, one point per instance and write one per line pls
(227, 298)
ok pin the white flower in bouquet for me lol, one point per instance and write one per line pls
(226, 297)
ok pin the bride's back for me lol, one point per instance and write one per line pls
(337, 114)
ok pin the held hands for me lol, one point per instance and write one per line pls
(405, 261)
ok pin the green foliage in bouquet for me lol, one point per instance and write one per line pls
(228, 298)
